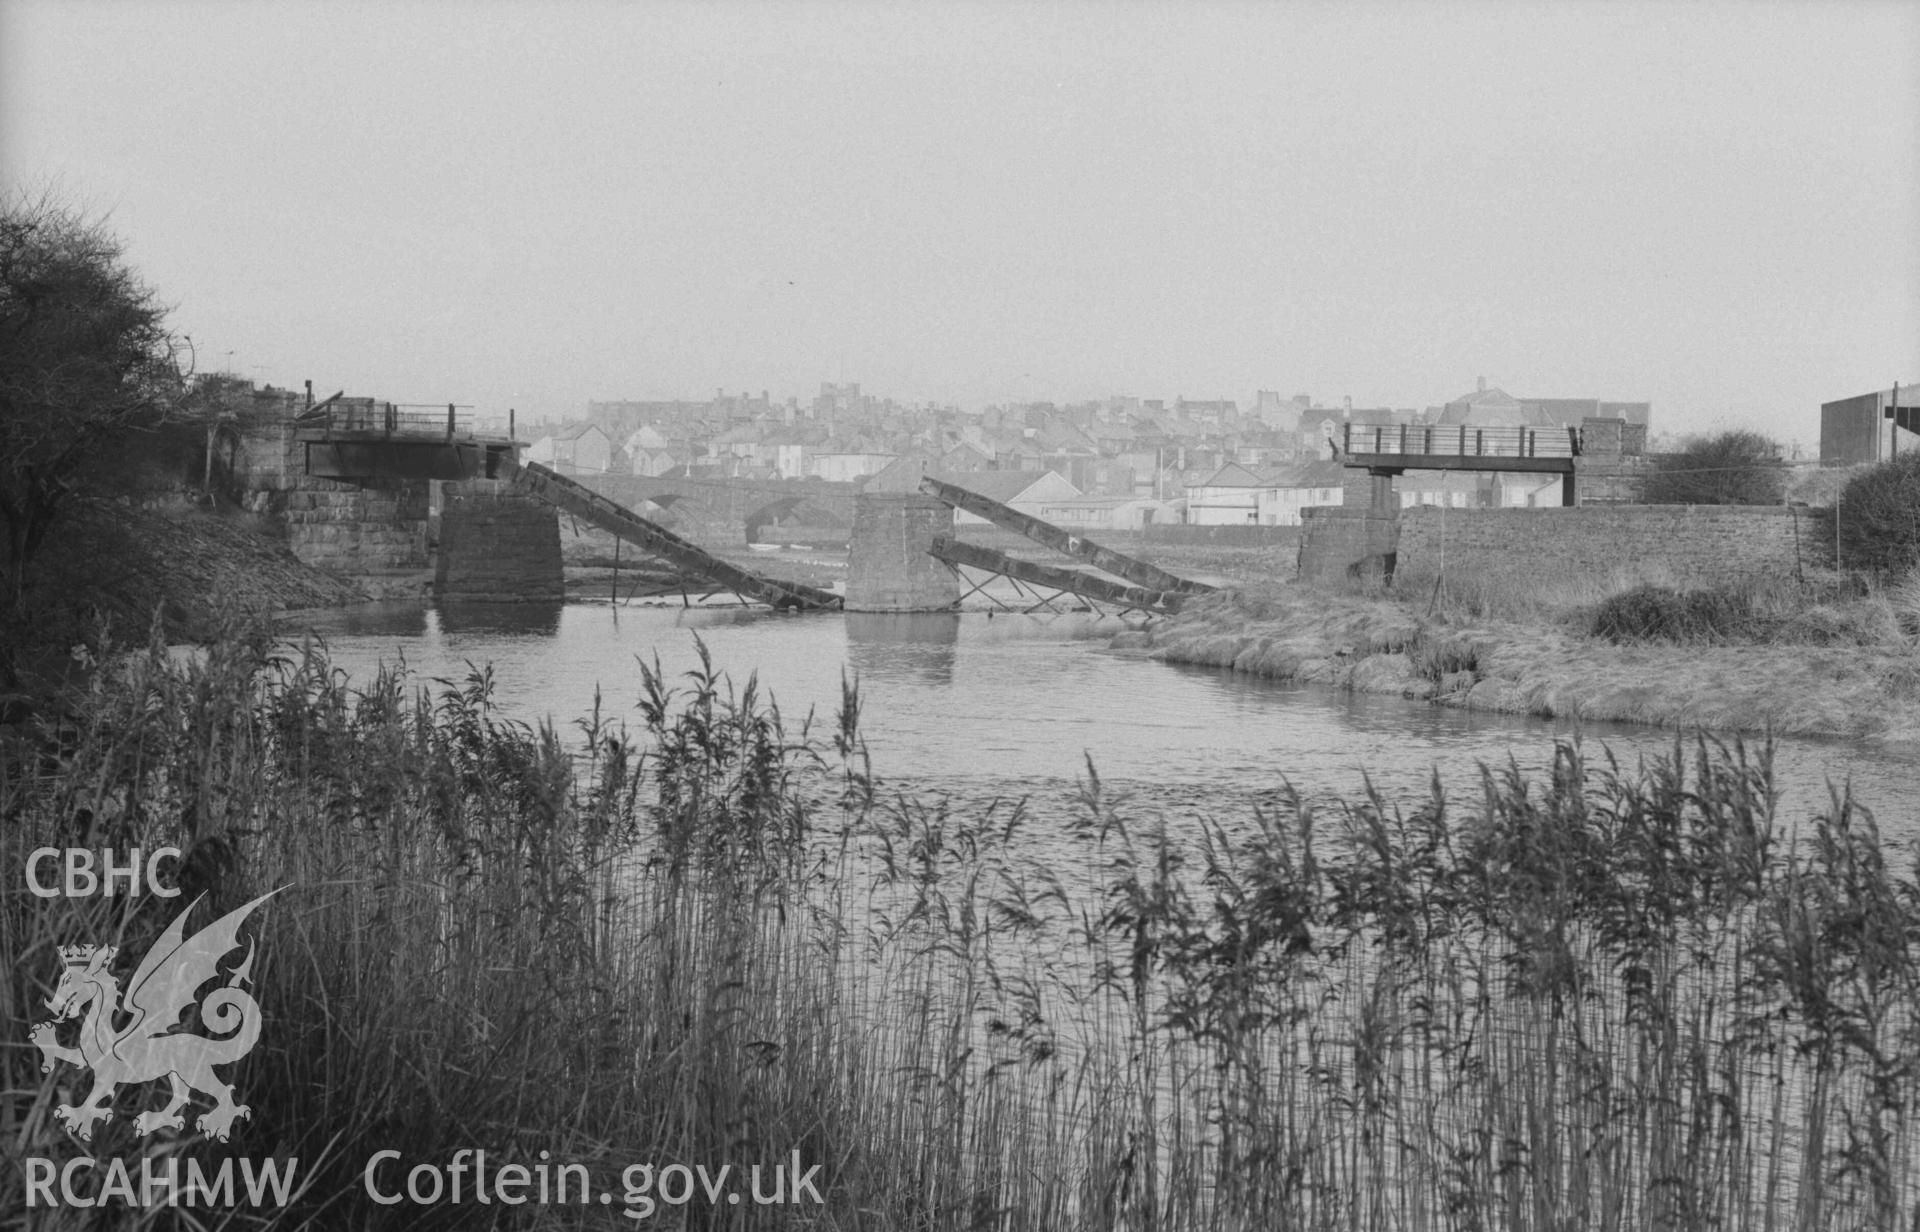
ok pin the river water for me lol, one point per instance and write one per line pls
(1013, 707)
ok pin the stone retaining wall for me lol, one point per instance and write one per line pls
(352, 530)
(1707, 543)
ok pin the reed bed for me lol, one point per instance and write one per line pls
(1609, 997)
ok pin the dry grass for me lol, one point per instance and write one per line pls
(1519, 594)
(1824, 656)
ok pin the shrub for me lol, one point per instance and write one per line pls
(1661, 614)
(1878, 516)
(1730, 468)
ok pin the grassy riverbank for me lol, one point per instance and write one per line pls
(1799, 659)
(122, 568)
(1598, 1000)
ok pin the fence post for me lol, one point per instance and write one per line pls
(1403, 438)
(1463, 439)
(449, 421)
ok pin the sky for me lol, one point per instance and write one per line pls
(532, 205)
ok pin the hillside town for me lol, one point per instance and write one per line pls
(1115, 464)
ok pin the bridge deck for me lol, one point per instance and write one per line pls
(1143, 575)
(357, 441)
(335, 420)
(1457, 462)
(1402, 447)
(583, 502)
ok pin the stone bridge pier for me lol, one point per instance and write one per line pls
(888, 565)
(1360, 538)
(497, 545)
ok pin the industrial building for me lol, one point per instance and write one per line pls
(1865, 428)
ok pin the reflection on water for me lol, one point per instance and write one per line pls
(509, 619)
(368, 620)
(906, 646)
(1015, 706)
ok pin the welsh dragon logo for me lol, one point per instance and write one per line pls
(145, 1046)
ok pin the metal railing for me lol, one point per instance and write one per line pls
(391, 419)
(1462, 441)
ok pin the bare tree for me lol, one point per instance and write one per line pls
(85, 360)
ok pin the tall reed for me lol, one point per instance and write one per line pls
(1606, 997)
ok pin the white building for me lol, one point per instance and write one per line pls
(1228, 497)
(583, 449)
(1290, 489)
(1237, 495)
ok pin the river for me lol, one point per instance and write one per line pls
(1013, 707)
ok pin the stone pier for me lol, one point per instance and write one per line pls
(497, 545)
(888, 569)
(372, 533)
(1358, 539)
(1337, 541)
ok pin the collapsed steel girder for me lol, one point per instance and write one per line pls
(584, 503)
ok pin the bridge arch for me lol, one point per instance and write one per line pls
(770, 514)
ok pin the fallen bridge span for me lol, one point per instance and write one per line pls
(1061, 580)
(1139, 572)
(651, 537)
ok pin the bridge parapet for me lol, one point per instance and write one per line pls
(1492, 448)
(1385, 451)
(363, 418)
(360, 439)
